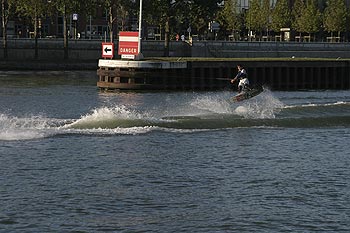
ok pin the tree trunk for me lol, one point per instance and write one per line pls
(36, 54)
(4, 34)
(4, 28)
(166, 38)
(110, 23)
(65, 34)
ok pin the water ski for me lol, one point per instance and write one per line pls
(247, 94)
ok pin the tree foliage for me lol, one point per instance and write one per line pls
(265, 14)
(157, 12)
(335, 16)
(181, 14)
(177, 16)
(229, 16)
(254, 22)
(298, 7)
(6, 9)
(202, 12)
(34, 10)
(280, 15)
(310, 20)
(258, 17)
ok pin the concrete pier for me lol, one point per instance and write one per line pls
(119, 74)
(206, 74)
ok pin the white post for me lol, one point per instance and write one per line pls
(140, 19)
(90, 28)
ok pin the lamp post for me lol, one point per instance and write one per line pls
(250, 21)
(140, 19)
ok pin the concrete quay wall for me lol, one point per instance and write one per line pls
(52, 49)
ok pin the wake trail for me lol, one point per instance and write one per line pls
(178, 113)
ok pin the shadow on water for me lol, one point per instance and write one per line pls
(33, 79)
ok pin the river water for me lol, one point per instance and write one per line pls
(74, 159)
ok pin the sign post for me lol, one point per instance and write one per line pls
(128, 44)
(75, 19)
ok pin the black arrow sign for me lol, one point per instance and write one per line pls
(107, 50)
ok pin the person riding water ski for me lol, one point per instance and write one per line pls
(242, 76)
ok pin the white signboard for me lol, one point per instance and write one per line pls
(75, 17)
(107, 50)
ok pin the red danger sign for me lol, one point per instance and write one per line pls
(128, 43)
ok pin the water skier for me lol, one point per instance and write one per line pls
(242, 76)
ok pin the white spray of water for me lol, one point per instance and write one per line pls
(14, 128)
(114, 131)
(338, 103)
(103, 114)
(215, 103)
(111, 118)
(263, 106)
(120, 119)
(37, 127)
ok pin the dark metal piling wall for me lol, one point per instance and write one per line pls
(214, 75)
(303, 75)
(276, 75)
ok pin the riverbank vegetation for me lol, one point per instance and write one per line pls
(308, 20)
